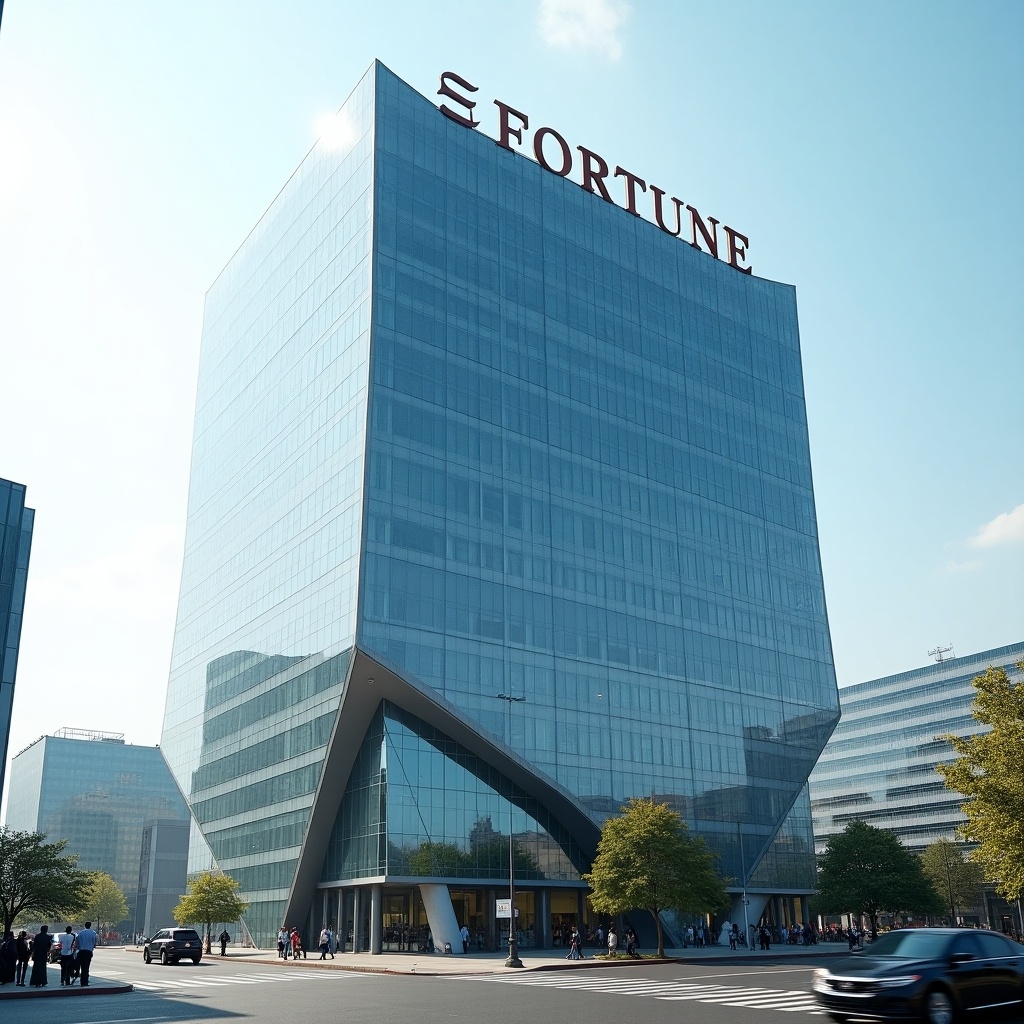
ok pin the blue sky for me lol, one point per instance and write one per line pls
(872, 152)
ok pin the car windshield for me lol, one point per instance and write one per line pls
(188, 936)
(910, 945)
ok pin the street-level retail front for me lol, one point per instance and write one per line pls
(418, 916)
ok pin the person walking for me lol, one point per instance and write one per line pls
(325, 942)
(283, 943)
(87, 941)
(67, 956)
(224, 938)
(464, 933)
(8, 959)
(24, 955)
(40, 955)
(297, 949)
(613, 941)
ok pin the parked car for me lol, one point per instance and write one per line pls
(169, 945)
(936, 974)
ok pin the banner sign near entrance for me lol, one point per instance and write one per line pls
(503, 908)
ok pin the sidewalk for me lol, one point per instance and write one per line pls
(533, 959)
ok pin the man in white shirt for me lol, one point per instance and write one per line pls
(86, 940)
(67, 956)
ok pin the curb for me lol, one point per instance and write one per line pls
(66, 991)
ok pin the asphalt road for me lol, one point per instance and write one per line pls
(224, 990)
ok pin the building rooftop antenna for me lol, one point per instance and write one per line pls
(939, 653)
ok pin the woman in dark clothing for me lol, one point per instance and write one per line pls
(8, 958)
(40, 954)
(24, 955)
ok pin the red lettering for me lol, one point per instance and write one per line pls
(592, 176)
(505, 130)
(538, 151)
(710, 237)
(659, 194)
(631, 183)
(446, 90)
(736, 251)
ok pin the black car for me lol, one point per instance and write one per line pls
(937, 974)
(169, 945)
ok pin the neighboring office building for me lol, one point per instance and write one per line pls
(879, 766)
(462, 430)
(16, 523)
(98, 792)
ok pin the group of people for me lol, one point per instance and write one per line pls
(289, 943)
(76, 952)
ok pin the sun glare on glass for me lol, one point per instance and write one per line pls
(335, 131)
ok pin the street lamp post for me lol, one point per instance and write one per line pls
(746, 902)
(513, 947)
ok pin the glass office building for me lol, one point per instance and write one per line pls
(98, 793)
(879, 766)
(16, 522)
(465, 430)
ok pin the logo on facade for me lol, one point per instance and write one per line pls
(554, 154)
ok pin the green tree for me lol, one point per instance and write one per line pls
(104, 901)
(990, 773)
(212, 896)
(36, 877)
(647, 859)
(866, 870)
(956, 879)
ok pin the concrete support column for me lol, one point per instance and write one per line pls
(542, 924)
(437, 902)
(341, 932)
(376, 918)
(357, 919)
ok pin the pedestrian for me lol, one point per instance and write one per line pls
(297, 944)
(734, 934)
(464, 932)
(24, 955)
(8, 959)
(283, 943)
(224, 938)
(325, 942)
(67, 956)
(613, 940)
(86, 940)
(631, 942)
(331, 943)
(40, 955)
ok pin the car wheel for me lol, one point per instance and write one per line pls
(839, 1018)
(164, 959)
(938, 1007)
(196, 959)
(146, 958)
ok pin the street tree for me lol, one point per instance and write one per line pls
(647, 860)
(104, 901)
(957, 879)
(990, 773)
(212, 896)
(37, 877)
(866, 870)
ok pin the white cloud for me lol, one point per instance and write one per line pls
(593, 26)
(1006, 528)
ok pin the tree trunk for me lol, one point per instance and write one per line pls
(661, 937)
(206, 944)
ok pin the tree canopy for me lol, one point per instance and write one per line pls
(647, 860)
(990, 773)
(957, 880)
(212, 896)
(36, 877)
(104, 901)
(866, 870)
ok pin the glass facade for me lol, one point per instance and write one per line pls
(98, 794)
(16, 522)
(535, 446)
(879, 766)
